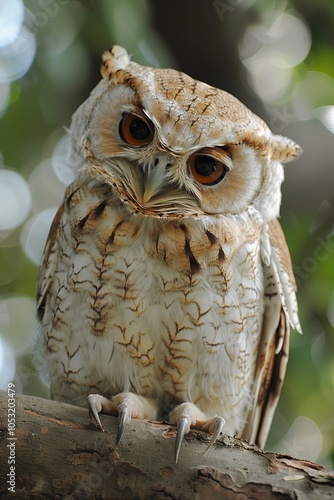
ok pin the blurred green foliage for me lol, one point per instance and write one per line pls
(227, 44)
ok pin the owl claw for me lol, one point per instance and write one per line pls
(95, 406)
(183, 428)
(124, 416)
(187, 416)
(125, 406)
(215, 428)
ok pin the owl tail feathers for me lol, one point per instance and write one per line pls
(284, 149)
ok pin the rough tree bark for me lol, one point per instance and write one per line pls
(60, 454)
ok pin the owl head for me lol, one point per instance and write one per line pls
(176, 147)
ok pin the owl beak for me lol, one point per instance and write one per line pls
(148, 193)
(154, 182)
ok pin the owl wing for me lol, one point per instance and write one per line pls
(49, 264)
(280, 313)
(46, 276)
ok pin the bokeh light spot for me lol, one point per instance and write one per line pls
(34, 234)
(4, 96)
(7, 363)
(17, 322)
(46, 189)
(315, 91)
(11, 19)
(15, 200)
(326, 115)
(60, 163)
(271, 49)
(17, 57)
(303, 439)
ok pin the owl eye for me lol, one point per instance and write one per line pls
(207, 169)
(135, 131)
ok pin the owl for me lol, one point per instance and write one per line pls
(166, 289)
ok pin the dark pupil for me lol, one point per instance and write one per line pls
(205, 165)
(139, 129)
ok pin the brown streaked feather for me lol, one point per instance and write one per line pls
(72, 194)
(278, 241)
(47, 269)
(275, 338)
(272, 380)
(269, 379)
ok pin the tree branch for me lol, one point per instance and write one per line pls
(59, 452)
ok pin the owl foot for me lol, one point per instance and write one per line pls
(125, 406)
(187, 416)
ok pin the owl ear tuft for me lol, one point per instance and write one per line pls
(284, 149)
(114, 59)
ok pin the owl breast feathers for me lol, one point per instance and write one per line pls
(166, 289)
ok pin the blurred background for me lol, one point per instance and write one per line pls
(275, 56)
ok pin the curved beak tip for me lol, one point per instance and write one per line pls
(147, 195)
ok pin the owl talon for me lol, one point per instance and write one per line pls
(125, 405)
(95, 406)
(184, 416)
(215, 428)
(124, 416)
(183, 427)
(187, 416)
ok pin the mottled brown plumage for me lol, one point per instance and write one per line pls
(166, 289)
